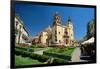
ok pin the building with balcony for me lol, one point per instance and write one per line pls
(21, 35)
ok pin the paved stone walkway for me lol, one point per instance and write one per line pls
(76, 55)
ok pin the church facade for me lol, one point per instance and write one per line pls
(57, 34)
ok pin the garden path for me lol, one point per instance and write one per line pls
(76, 55)
(40, 52)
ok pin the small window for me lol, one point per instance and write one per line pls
(66, 41)
(55, 39)
(59, 41)
(16, 23)
(67, 36)
(59, 32)
(66, 33)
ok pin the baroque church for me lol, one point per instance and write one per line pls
(57, 34)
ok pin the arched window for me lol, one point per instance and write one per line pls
(66, 41)
(66, 33)
(59, 41)
(59, 32)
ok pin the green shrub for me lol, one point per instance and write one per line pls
(41, 58)
(33, 46)
(63, 53)
(44, 58)
(33, 56)
(18, 52)
(25, 54)
(59, 61)
(31, 50)
(22, 48)
(59, 55)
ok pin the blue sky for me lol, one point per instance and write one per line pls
(37, 17)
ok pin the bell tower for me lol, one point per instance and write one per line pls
(56, 19)
(69, 32)
(57, 31)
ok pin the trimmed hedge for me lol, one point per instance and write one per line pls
(25, 48)
(18, 52)
(33, 46)
(22, 48)
(31, 50)
(64, 53)
(41, 58)
(59, 61)
(25, 54)
(66, 57)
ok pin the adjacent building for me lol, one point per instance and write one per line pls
(21, 35)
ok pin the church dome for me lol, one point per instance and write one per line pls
(48, 29)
